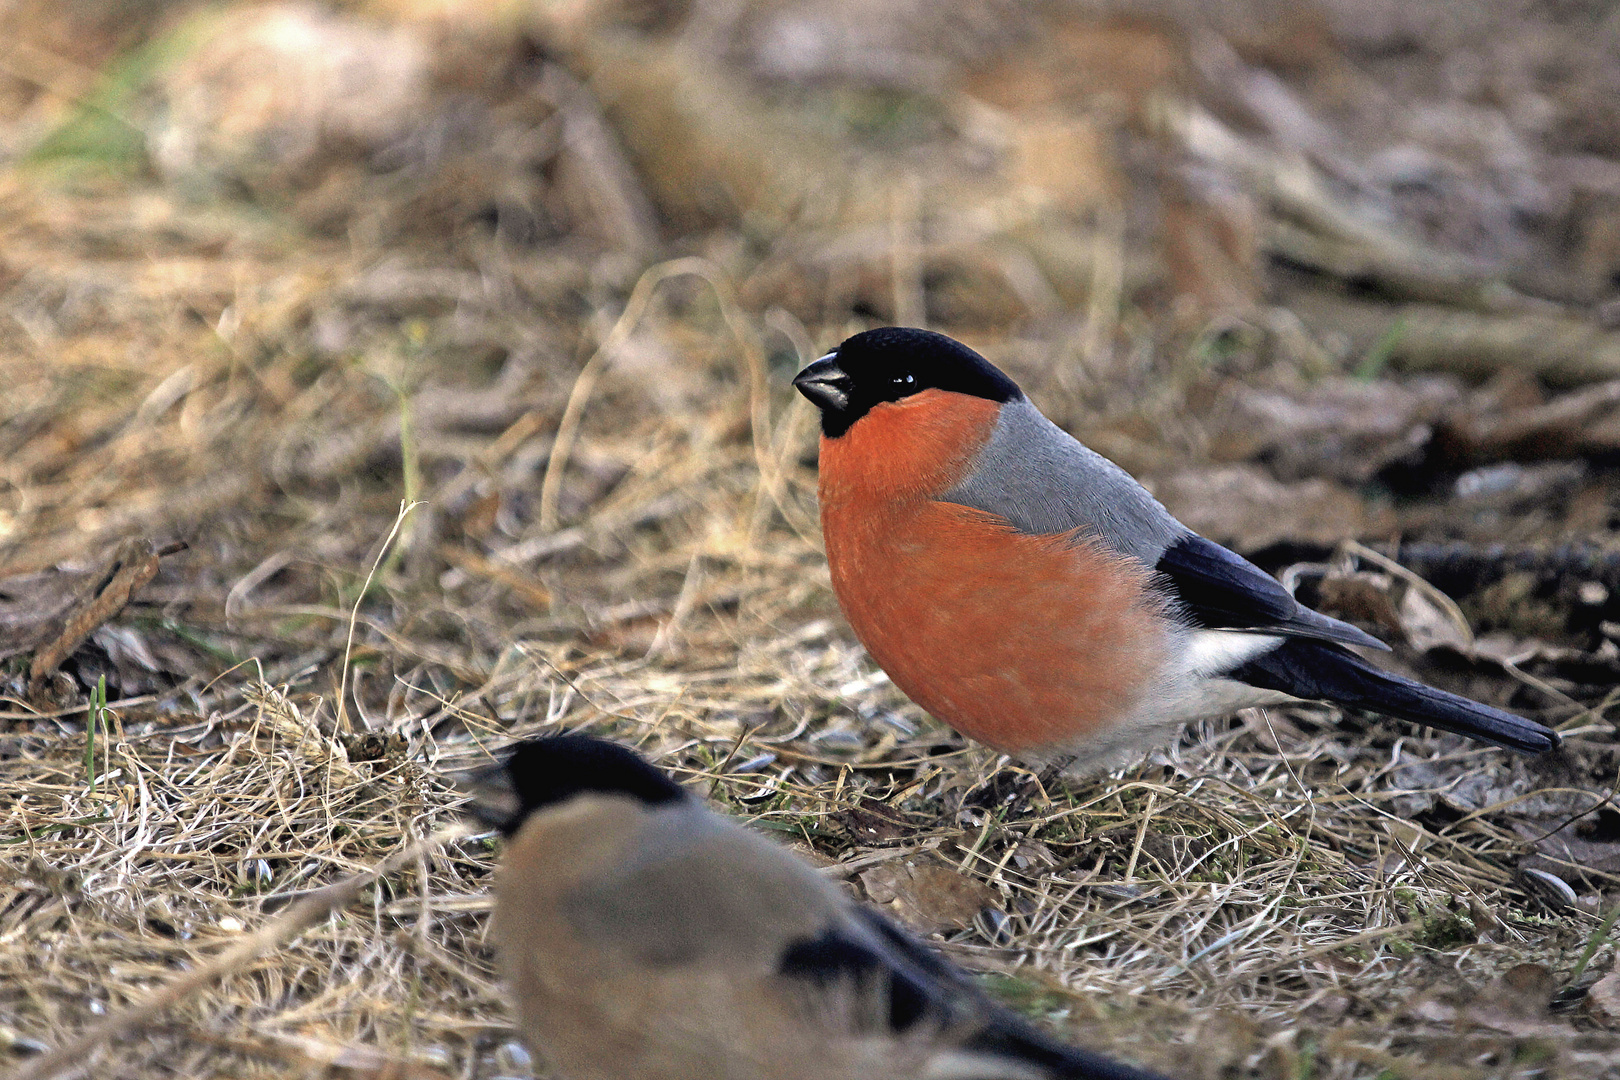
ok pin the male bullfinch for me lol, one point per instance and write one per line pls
(1031, 594)
(645, 937)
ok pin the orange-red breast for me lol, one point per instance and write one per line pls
(1031, 594)
(645, 937)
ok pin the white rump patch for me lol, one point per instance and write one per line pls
(1215, 652)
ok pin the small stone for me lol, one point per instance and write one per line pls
(1603, 998)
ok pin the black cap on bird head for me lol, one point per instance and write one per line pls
(551, 770)
(892, 363)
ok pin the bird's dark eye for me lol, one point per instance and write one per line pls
(906, 379)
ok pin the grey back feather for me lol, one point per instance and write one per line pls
(698, 889)
(1043, 480)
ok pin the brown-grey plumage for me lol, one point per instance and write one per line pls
(645, 937)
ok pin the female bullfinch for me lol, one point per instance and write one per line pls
(645, 937)
(1031, 594)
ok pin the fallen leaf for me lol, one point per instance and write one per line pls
(1341, 428)
(1516, 1002)
(1426, 625)
(1603, 998)
(1564, 853)
(1360, 597)
(927, 894)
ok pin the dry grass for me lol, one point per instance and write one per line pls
(1218, 907)
(1273, 897)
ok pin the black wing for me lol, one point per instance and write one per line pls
(1223, 590)
(921, 986)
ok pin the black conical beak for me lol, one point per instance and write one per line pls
(825, 384)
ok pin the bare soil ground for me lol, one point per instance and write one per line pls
(1340, 283)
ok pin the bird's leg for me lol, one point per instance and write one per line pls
(1051, 773)
(1016, 787)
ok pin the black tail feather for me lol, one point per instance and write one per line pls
(1317, 670)
(1012, 1038)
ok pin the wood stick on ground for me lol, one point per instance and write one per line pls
(1559, 349)
(135, 564)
